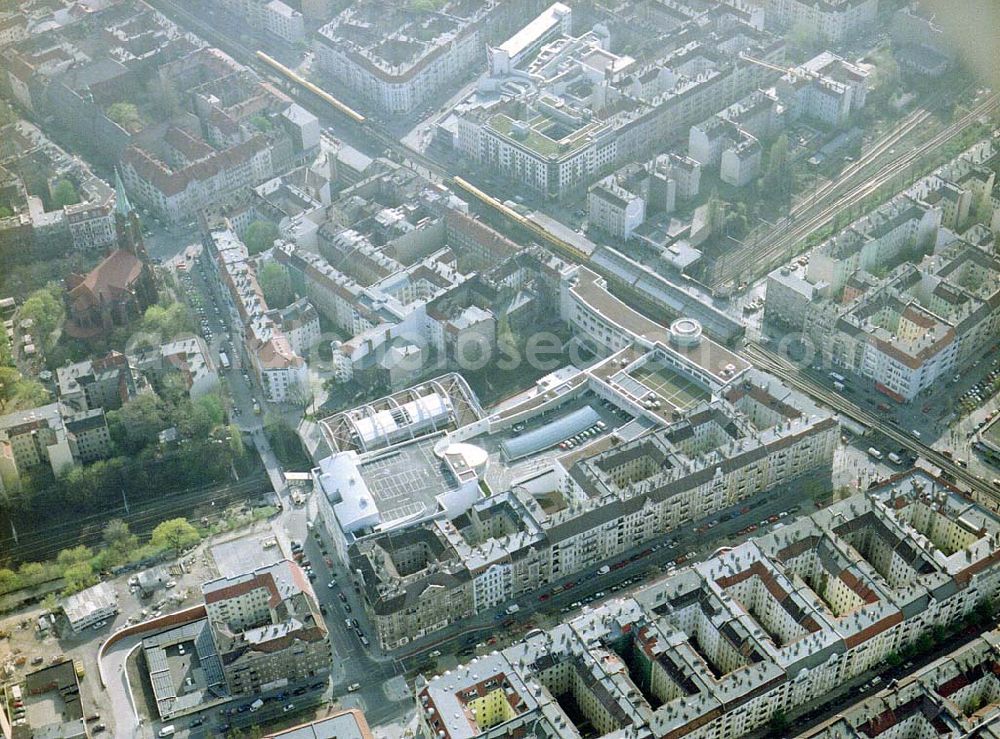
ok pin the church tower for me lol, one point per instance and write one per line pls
(127, 227)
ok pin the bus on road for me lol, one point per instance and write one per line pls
(224, 360)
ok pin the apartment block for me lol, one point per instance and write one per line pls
(32, 228)
(383, 255)
(396, 59)
(207, 139)
(111, 381)
(903, 295)
(674, 179)
(88, 436)
(108, 382)
(717, 648)
(919, 42)
(729, 140)
(835, 21)
(267, 628)
(573, 109)
(613, 209)
(272, 16)
(740, 163)
(178, 194)
(54, 435)
(826, 88)
(952, 696)
(300, 323)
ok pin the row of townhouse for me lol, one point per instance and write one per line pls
(718, 648)
(178, 195)
(952, 696)
(280, 371)
(88, 224)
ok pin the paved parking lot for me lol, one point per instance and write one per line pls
(247, 553)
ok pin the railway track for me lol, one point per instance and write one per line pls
(761, 258)
(752, 261)
(34, 546)
(782, 368)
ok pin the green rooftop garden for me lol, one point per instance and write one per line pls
(537, 141)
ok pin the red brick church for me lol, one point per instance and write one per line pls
(120, 288)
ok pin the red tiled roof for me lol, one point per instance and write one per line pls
(172, 182)
(115, 275)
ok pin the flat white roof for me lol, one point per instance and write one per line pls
(82, 605)
(341, 476)
(383, 423)
(537, 28)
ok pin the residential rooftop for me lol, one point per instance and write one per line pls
(705, 646)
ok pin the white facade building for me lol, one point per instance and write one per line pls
(91, 606)
(613, 209)
(401, 73)
(834, 21)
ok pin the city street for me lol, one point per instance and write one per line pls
(222, 333)
(495, 629)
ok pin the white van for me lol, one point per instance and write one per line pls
(874, 453)
(167, 730)
(895, 458)
(256, 705)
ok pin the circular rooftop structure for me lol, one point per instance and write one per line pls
(474, 457)
(685, 332)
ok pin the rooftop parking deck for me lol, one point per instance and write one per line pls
(407, 479)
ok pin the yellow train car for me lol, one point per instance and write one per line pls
(315, 89)
(545, 236)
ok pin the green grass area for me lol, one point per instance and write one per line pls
(537, 141)
(533, 140)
